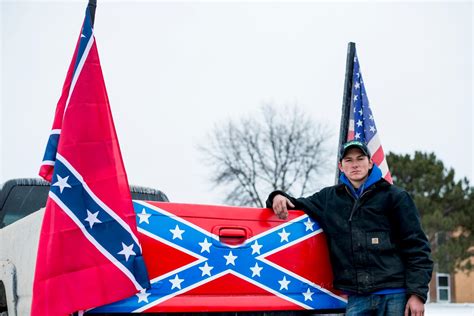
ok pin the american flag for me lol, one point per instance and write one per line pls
(88, 253)
(362, 124)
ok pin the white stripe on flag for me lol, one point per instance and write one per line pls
(48, 163)
(351, 125)
(79, 69)
(374, 144)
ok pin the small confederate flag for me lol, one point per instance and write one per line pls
(362, 124)
(88, 253)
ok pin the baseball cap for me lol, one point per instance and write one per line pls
(354, 144)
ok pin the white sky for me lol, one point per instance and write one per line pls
(174, 69)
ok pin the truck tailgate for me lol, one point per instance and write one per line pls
(207, 258)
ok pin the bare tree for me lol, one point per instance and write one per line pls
(251, 157)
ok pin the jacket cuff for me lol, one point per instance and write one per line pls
(269, 202)
(422, 297)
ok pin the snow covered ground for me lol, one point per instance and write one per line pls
(436, 309)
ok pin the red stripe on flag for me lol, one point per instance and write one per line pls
(388, 177)
(378, 156)
(350, 135)
(46, 172)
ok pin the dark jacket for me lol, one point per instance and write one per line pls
(375, 242)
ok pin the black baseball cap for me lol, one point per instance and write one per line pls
(354, 144)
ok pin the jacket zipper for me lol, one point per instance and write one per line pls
(350, 223)
(352, 241)
(356, 203)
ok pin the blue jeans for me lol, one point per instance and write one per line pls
(376, 304)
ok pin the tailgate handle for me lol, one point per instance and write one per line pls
(232, 235)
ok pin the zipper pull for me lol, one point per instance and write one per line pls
(353, 209)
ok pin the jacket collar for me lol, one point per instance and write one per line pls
(375, 174)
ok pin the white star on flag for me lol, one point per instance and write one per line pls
(357, 136)
(143, 296)
(256, 270)
(372, 129)
(356, 85)
(359, 123)
(205, 246)
(62, 183)
(230, 259)
(176, 282)
(284, 235)
(127, 251)
(177, 232)
(92, 218)
(308, 295)
(355, 97)
(206, 269)
(360, 111)
(284, 283)
(309, 225)
(144, 216)
(256, 247)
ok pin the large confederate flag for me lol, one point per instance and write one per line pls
(88, 252)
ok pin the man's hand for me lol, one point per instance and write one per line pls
(280, 206)
(414, 307)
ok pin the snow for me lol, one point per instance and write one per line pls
(438, 309)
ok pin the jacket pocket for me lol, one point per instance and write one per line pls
(379, 241)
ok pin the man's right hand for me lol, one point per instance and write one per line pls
(280, 206)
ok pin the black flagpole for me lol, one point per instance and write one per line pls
(346, 103)
(92, 5)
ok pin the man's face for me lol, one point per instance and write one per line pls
(355, 165)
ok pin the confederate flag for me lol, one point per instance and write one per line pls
(88, 252)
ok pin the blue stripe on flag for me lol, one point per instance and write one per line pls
(86, 34)
(51, 148)
(109, 233)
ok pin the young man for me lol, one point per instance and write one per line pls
(378, 250)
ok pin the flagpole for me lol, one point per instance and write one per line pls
(346, 103)
(92, 6)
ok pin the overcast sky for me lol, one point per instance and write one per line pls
(173, 70)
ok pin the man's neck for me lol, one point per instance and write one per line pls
(356, 184)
